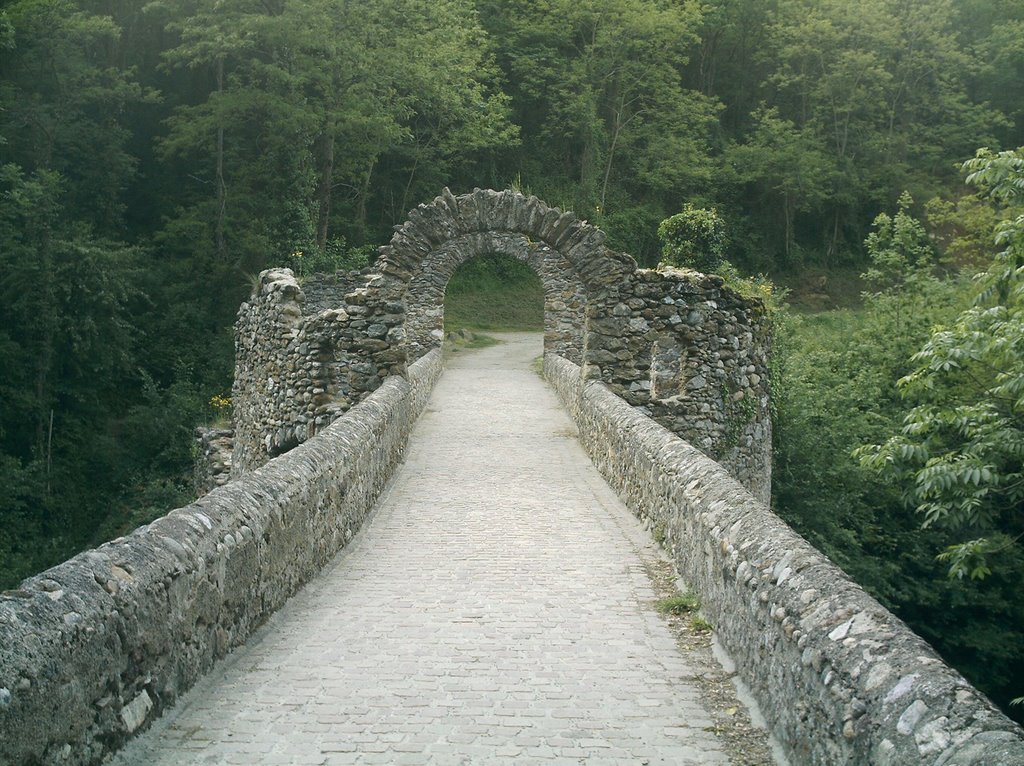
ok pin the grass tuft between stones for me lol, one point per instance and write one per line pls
(680, 603)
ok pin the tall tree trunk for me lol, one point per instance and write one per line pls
(221, 186)
(708, 61)
(408, 186)
(611, 158)
(46, 322)
(587, 160)
(788, 219)
(833, 246)
(324, 149)
(364, 193)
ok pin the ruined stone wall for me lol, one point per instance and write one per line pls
(212, 466)
(95, 648)
(840, 679)
(328, 291)
(693, 354)
(296, 372)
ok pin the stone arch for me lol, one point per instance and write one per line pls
(567, 254)
(564, 294)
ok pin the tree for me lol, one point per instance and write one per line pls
(882, 84)
(598, 89)
(695, 239)
(62, 104)
(67, 346)
(960, 452)
(789, 166)
(454, 118)
(902, 273)
(961, 229)
(405, 86)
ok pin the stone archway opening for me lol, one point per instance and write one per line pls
(566, 253)
(565, 296)
(494, 293)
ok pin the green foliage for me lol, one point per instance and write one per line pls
(960, 450)
(899, 250)
(903, 276)
(608, 123)
(787, 167)
(738, 415)
(699, 624)
(961, 230)
(833, 391)
(684, 603)
(633, 228)
(69, 343)
(336, 256)
(680, 603)
(659, 533)
(60, 94)
(696, 238)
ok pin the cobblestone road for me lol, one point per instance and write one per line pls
(495, 609)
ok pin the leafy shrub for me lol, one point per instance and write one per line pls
(695, 239)
(336, 256)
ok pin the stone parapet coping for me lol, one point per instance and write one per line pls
(840, 679)
(95, 648)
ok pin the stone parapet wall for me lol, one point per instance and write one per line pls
(93, 649)
(840, 679)
(693, 354)
(295, 372)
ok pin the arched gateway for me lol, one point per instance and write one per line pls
(682, 346)
(567, 254)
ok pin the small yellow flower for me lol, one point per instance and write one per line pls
(219, 402)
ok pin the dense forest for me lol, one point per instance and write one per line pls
(155, 156)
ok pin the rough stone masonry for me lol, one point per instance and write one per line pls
(682, 346)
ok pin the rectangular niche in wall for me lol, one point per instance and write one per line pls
(668, 362)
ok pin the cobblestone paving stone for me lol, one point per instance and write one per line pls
(494, 609)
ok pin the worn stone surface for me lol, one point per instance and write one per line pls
(494, 610)
(840, 678)
(93, 648)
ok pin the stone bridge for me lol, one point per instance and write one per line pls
(494, 606)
